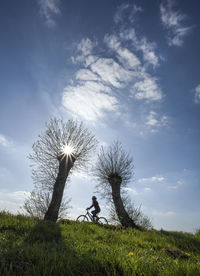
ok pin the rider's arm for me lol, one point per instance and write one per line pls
(90, 206)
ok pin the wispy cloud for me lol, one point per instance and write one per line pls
(48, 10)
(147, 88)
(90, 96)
(89, 100)
(163, 213)
(109, 69)
(151, 179)
(176, 186)
(173, 22)
(154, 122)
(142, 45)
(84, 49)
(126, 11)
(197, 95)
(111, 72)
(128, 59)
(4, 141)
(80, 175)
(12, 201)
(131, 190)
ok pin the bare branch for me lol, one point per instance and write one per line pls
(112, 161)
(38, 202)
(51, 166)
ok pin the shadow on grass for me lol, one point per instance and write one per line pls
(184, 241)
(44, 231)
(31, 248)
(42, 249)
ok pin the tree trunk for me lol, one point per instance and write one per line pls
(124, 218)
(65, 165)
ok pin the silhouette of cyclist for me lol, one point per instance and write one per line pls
(96, 210)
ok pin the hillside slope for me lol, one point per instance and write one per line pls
(32, 247)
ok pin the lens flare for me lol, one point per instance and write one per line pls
(68, 150)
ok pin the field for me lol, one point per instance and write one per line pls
(32, 247)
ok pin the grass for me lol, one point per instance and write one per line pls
(32, 247)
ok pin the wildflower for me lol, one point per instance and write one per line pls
(188, 254)
(153, 257)
(130, 254)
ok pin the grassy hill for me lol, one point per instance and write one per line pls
(32, 247)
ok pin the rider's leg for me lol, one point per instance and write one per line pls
(97, 218)
(93, 215)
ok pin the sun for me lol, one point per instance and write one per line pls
(68, 150)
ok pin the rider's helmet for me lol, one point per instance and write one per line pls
(94, 198)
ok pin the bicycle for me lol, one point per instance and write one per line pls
(88, 216)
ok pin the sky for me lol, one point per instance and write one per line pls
(130, 71)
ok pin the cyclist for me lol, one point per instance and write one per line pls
(96, 210)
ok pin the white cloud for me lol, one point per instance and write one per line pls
(146, 86)
(89, 100)
(84, 48)
(12, 201)
(4, 141)
(126, 11)
(111, 72)
(148, 51)
(147, 89)
(80, 175)
(105, 73)
(147, 189)
(127, 58)
(173, 22)
(131, 190)
(141, 44)
(176, 186)
(163, 214)
(197, 95)
(151, 179)
(87, 75)
(48, 10)
(153, 121)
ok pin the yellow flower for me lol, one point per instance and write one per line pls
(153, 257)
(188, 254)
(130, 254)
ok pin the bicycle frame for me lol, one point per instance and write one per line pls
(88, 214)
(96, 219)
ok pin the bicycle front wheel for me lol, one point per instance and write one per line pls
(82, 218)
(102, 221)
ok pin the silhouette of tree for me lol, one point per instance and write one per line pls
(36, 205)
(114, 169)
(61, 148)
(135, 213)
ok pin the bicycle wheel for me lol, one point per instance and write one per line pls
(82, 218)
(102, 221)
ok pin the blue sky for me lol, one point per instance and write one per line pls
(130, 71)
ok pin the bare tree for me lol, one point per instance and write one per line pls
(61, 148)
(135, 213)
(114, 169)
(36, 205)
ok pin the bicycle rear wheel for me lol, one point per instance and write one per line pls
(82, 218)
(102, 221)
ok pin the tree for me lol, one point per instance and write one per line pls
(61, 148)
(134, 213)
(114, 169)
(36, 205)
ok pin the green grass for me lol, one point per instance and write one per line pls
(32, 247)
